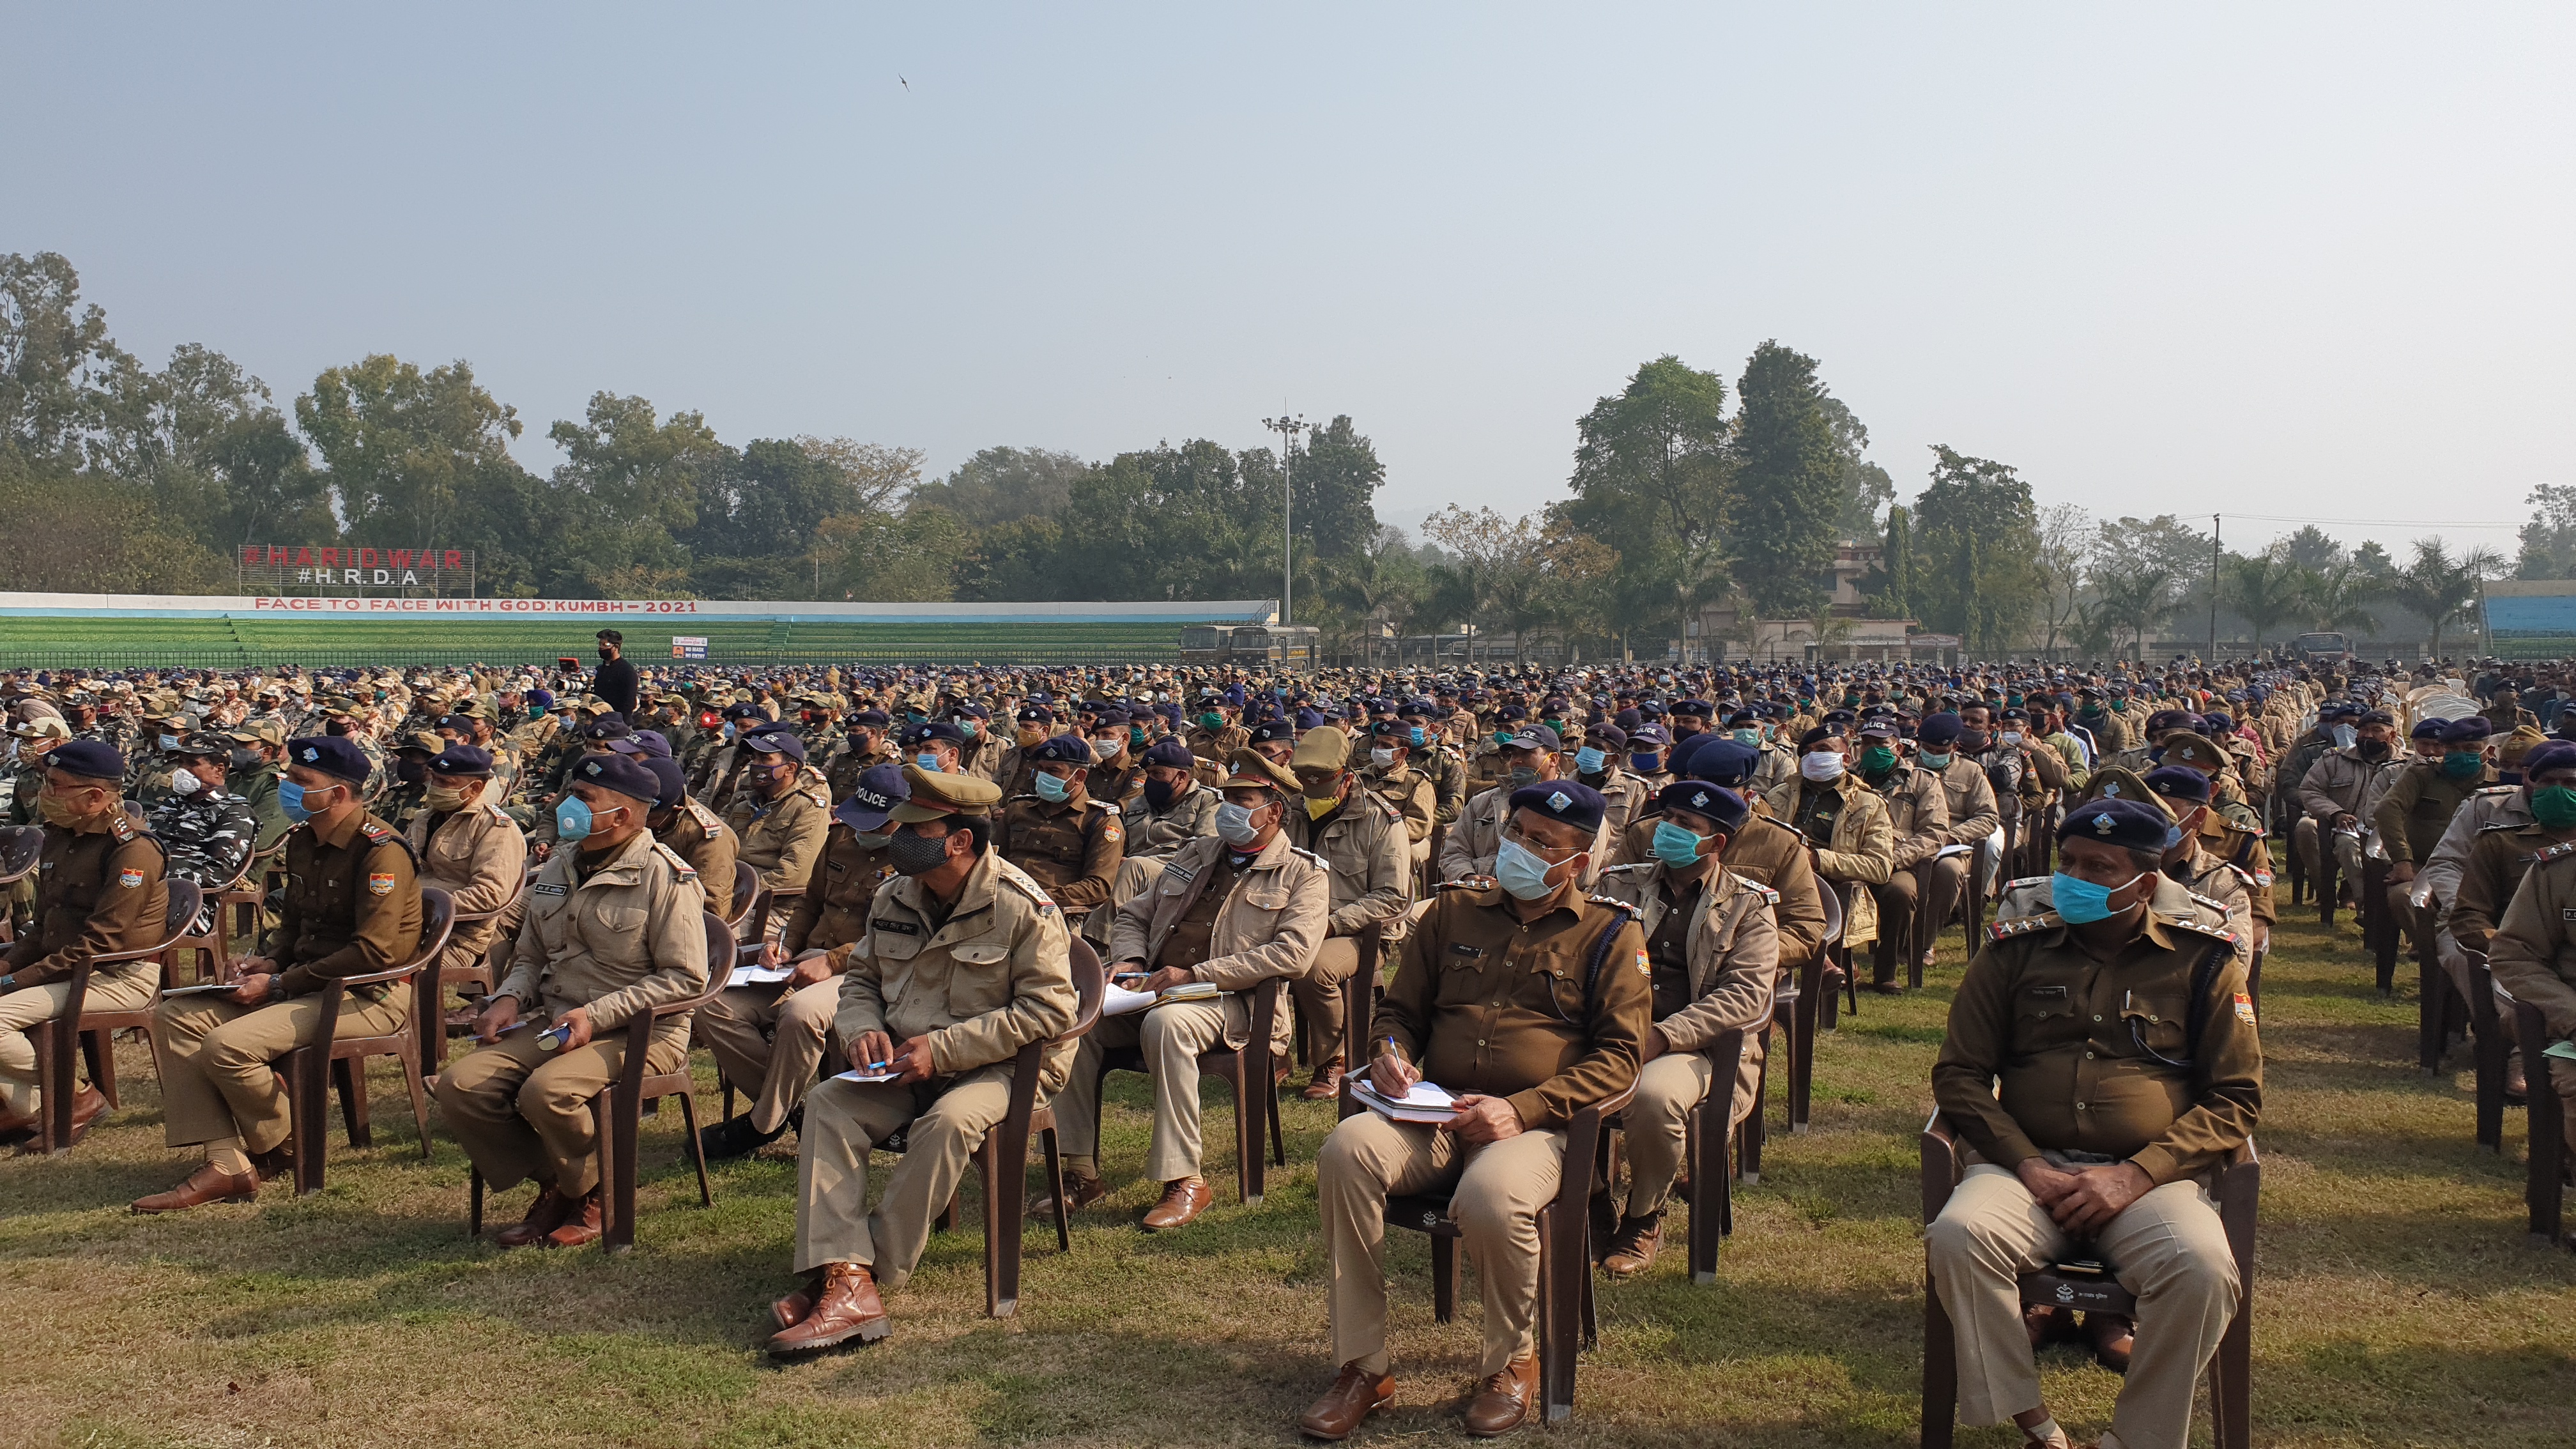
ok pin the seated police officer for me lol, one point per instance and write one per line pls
(99, 891)
(964, 961)
(207, 830)
(615, 926)
(768, 1038)
(1713, 946)
(1068, 842)
(352, 908)
(781, 813)
(695, 834)
(1524, 998)
(1241, 910)
(2101, 1063)
(469, 847)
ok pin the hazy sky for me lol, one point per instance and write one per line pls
(2309, 262)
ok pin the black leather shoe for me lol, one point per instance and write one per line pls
(735, 1137)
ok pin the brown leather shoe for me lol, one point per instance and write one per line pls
(847, 1307)
(793, 1308)
(2112, 1337)
(1079, 1192)
(2046, 1323)
(1632, 1247)
(1182, 1201)
(1356, 1393)
(203, 1186)
(1327, 1083)
(15, 1128)
(1503, 1400)
(545, 1215)
(580, 1226)
(88, 1105)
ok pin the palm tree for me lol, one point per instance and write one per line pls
(2265, 589)
(2439, 587)
(2339, 597)
(2138, 600)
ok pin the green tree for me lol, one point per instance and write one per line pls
(1864, 488)
(2066, 534)
(56, 360)
(2439, 587)
(2339, 596)
(2266, 589)
(1192, 521)
(1787, 475)
(1651, 480)
(2136, 599)
(1336, 478)
(2549, 539)
(626, 494)
(1896, 564)
(2312, 549)
(1004, 485)
(1976, 534)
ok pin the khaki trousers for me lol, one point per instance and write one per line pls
(2306, 832)
(2167, 1247)
(1171, 1037)
(523, 1113)
(2562, 1076)
(844, 1121)
(1657, 1122)
(22, 1011)
(770, 1044)
(1928, 890)
(219, 1061)
(1496, 1193)
(1318, 995)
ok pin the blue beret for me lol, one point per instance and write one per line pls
(775, 742)
(671, 781)
(607, 727)
(2428, 729)
(2129, 824)
(745, 709)
(542, 698)
(1722, 761)
(2555, 755)
(937, 729)
(461, 760)
(1701, 798)
(1534, 737)
(2180, 782)
(1169, 753)
(1938, 729)
(1608, 737)
(1062, 749)
(618, 773)
(1308, 719)
(880, 788)
(2467, 730)
(1109, 717)
(647, 744)
(335, 755)
(1280, 729)
(1036, 714)
(1571, 801)
(875, 719)
(95, 759)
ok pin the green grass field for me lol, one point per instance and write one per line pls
(232, 644)
(2397, 1300)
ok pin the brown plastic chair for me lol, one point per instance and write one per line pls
(331, 1059)
(1795, 1006)
(2230, 1372)
(746, 895)
(1002, 1158)
(1567, 1320)
(1359, 1011)
(1710, 1193)
(618, 1110)
(2545, 1188)
(210, 949)
(2489, 1005)
(22, 848)
(483, 973)
(79, 1031)
(777, 903)
(1243, 1069)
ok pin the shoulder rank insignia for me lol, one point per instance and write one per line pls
(1768, 895)
(2023, 926)
(2026, 881)
(1310, 855)
(121, 825)
(2215, 933)
(1612, 901)
(2215, 905)
(2559, 851)
(375, 832)
(2497, 789)
(685, 870)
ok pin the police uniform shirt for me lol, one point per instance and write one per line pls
(1188, 942)
(1819, 805)
(1668, 949)
(352, 905)
(98, 893)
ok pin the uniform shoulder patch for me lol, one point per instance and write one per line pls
(1310, 855)
(685, 870)
(2023, 926)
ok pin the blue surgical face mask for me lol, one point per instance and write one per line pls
(928, 761)
(2345, 734)
(1521, 871)
(1647, 763)
(572, 820)
(2081, 902)
(1677, 848)
(1589, 760)
(1934, 760)
(1051, 789)
(729, 729)
(1750, 739)
(1417, 737)
(290, 798)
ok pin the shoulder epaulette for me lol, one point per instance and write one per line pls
(2496, 825)
(1310, 855)
(122, 826)
(2023, 926)
(2028, 880)
(1458, 885)
(1769, 895)
(494, 807)
(686, 871)
(2215, 933)
(1026, 885)
(2484, 790)
(375, 831)
(1612, 901)
(1631, 865)
(2215, 905)
(2559, 851)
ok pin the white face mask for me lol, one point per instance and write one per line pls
(1821, 765)
(1383, 759)
(2010, 737)
(184, 783)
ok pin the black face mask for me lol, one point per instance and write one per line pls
(914, 855)
(2372, 749)
(605, 652)
(339, 727)
(1158, 794)
(247, 760)
(410, 772)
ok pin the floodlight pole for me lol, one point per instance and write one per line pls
(1287, 428)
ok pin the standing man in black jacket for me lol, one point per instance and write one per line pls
(615, 682)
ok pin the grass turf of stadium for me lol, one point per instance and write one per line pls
(2396, 1299)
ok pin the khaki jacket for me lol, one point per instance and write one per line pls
(1411, 793)
(98, 893)
(1733, 949)
(1364, 846)
(1918, 814)
(2441, 873)
(1969, 798)
(997, 976)
(781, 838)
(2341, 782)
(834, 909)
(1266, 932)
(1150, 833)
(1861, 851)
(629, 937)
(700, 838)
(479, 858)
(2533, 951)
(1468, 850)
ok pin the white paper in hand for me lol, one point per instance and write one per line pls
(759, 975)
(855, 1075)
(1117, 1000)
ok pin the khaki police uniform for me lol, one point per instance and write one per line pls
(1244, 928)
(352, 908)
(769, 1040)
(1918, 883)
(1467, 852)
(99, 891)
(2099, 1061)
(1484, 1003)
(782, 838)
(2533, 955)
(701, 839)
(2410, 819)
(1362, 843)
(980, 977)
(1721, 978)
(1070, 847)
(479, 857)
(618, 936)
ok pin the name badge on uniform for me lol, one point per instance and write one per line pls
(2565, 913)
(901, 928)
(543, 889)
(1461, 948)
